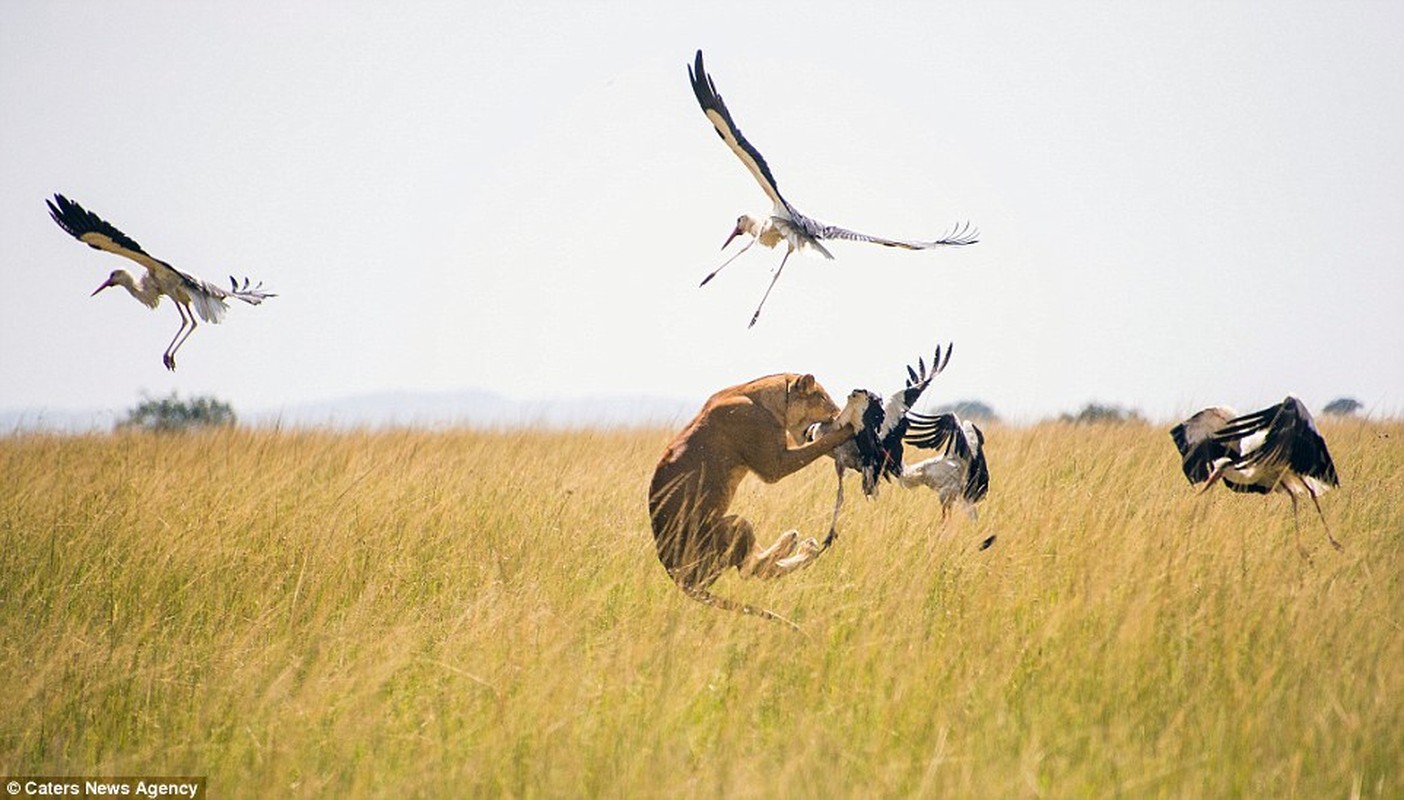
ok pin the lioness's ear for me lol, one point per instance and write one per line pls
(804, 383)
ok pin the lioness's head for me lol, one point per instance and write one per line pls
(806, 403)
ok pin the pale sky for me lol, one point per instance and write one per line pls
(1181, 204)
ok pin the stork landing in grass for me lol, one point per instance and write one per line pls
(785, 223)
(960, 473)
(876, 450)
(160, 278)
(1277, 449)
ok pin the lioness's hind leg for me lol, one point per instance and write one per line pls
(788, 554)
(762, 563)
(805, 554)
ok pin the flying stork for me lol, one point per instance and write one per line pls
(960, 473)
(876, 450)
(785, 222)
(1277, 449)
(160, 278)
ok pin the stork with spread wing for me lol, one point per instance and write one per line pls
(876, 451)
(785, 222)
(1276, 449)
(960, 474)
(186, 291)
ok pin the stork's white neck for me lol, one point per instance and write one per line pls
(145, 291)
(763, 229)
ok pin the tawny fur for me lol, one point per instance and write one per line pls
(755, 428)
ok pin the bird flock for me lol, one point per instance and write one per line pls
(1276, 449)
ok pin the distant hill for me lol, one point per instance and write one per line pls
(480, 409)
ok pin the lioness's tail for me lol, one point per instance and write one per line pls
(704, 596)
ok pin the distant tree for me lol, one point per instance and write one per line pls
(1097, 413)
(969, 409)
(1343, 407)
(171, 414)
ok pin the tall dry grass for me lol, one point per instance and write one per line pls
(474, 613)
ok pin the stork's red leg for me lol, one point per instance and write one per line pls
(838, 503)
(1296, 526)
(778, 270)
(734, 256)
(168, 358)
(1329, 537)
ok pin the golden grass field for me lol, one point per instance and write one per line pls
(412, 613)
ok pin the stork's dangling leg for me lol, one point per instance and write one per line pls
(176, 341)
(1329, 537)
(838, 503)
(734, 256)
(194, 323)
(778, 270)
(1296, 525)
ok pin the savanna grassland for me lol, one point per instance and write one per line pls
(411, 613)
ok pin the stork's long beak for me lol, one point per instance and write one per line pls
(737, 231)
(104, 285)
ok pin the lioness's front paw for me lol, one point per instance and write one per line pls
(853, 410)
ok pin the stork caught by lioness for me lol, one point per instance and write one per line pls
(876, 451)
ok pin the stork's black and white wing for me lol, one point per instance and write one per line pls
(901, 402)
(720, 117)
(899, 405)
(206, 298)
(977, 480)
(933, 432)
(959, 235)
(1199, 448)
(1291, 439)
(957, 439)
(99, 234)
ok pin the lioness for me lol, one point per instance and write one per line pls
(751, 427)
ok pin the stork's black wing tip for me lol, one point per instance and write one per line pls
(77, 221)
(62, 211)
(1177, 435)
(701, 84)
(59, 205)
